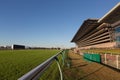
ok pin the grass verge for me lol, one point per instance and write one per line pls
(113, 51)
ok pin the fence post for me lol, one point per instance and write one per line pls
(117, 61)
(61, 75)
(63, 57)
(105, 59)
(35, 73)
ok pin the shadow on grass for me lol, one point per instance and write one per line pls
(74, 58)
(78, 65)
(91, 73)
(115, 69)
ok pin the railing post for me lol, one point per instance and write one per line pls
(63, 57)
(35, 73)
(117, 61)
(105, 59)
(61, 75)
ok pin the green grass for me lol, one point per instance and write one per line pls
(15, 63)
(113, 51)
(52, 73)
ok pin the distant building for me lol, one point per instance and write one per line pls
(2, 47)
(8, 47)
(100, 33)
(14, 46)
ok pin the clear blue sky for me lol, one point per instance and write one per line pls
(47, 23)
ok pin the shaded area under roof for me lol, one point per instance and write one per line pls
(85, 28)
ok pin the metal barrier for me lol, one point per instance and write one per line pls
(35, 73)
(92, 57)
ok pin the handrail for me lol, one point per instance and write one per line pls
(35, 73)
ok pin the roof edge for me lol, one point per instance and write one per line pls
(108, 13)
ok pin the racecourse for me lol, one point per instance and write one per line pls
(15, 63)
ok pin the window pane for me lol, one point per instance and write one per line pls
(117, 30)
(118, 38)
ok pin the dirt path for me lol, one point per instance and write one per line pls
(83, 70)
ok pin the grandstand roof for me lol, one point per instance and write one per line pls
(86, 27)
(90, 24)
(112, 16)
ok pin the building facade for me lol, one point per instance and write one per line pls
(100, 33)
(17, 47)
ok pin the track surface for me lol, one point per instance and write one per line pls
(84, 70)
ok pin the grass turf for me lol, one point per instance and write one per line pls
(15, 63)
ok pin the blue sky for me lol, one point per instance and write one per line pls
(47, 23)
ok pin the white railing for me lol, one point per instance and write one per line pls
(35, 73)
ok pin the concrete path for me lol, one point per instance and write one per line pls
(84, 70)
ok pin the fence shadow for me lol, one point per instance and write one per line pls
(76, 66)
(115, 69)
(74, 58)
(91, 73)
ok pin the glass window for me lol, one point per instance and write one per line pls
(118, 38)
(117, 30)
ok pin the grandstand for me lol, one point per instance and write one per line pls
(100, 33)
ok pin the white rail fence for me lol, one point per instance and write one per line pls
(35, 73)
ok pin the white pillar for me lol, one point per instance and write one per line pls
(12, 47)
(117, 61)
(105, 59)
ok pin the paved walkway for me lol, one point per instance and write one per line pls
(83, 70)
